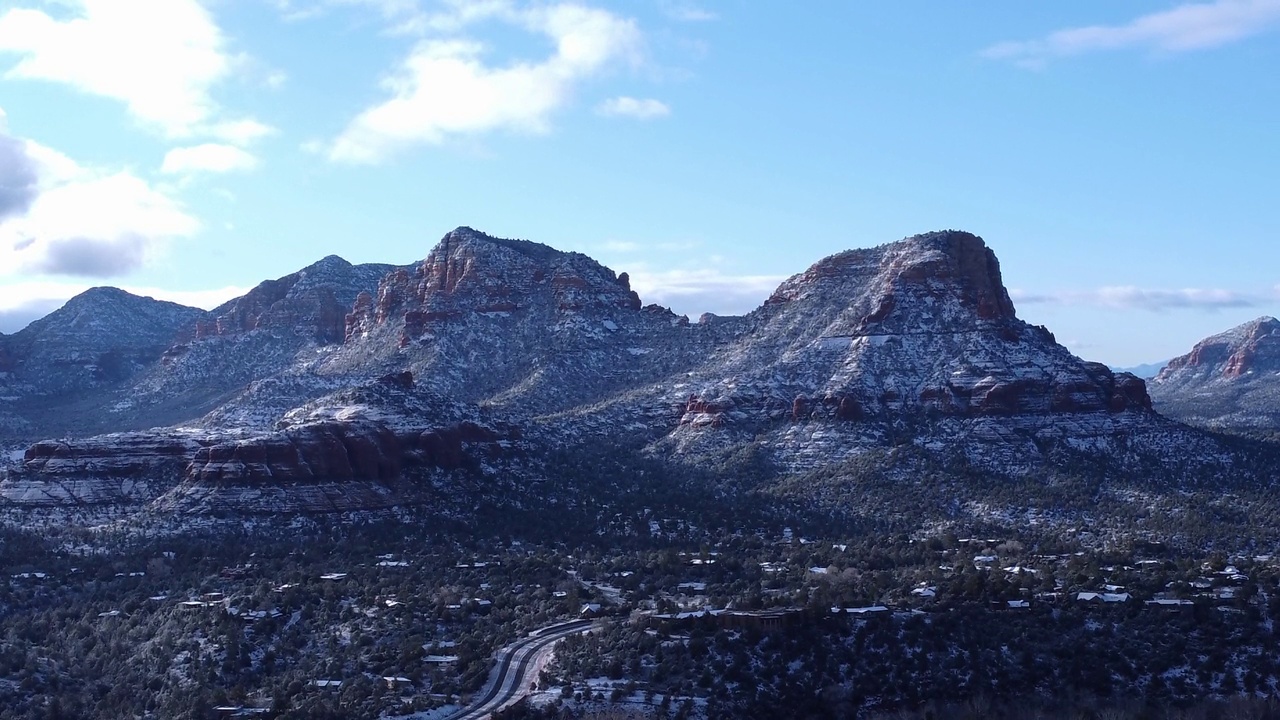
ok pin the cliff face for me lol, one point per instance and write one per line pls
(920, 332)
(491, 353)
(518, 325)
(314, 301)
(1228, 381)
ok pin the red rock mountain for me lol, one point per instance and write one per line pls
(1228, 381)
(494, 349)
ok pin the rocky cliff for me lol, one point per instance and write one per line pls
(517, 325)
(494, 349)
(917, 333)
(1228, 381)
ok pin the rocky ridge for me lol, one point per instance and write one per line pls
(517, 325)
(493, 344)
(1229, 381)
(917, 333)
(98, 337)
(108, 360)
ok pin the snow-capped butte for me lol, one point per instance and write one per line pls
(1228, 381)
(360, 381)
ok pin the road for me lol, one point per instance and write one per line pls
(517, 668)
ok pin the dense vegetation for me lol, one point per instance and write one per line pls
(171, 622)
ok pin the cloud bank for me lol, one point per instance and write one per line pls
(18, 178)
(1156, 300)
(159, 57)
(448, 87)
(640, 109)
(693, 292)
(84, 221)
(1191, 26)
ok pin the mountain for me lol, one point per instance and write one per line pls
(68, 362)
(1146, 371)
(493, 360)
(273, 333)
(99, 336)
(1228, 381)
(109, 360)
(914, 342)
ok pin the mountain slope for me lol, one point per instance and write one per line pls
(910, 353)
(516, 324)
(100, 336)
(1228, 381)
(916, 339)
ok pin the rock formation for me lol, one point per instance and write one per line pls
(493, 351)
(1228, 381)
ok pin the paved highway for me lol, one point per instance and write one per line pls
(517, 668)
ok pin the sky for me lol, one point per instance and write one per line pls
(1120, 158)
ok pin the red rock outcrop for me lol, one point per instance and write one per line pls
(469, 273)
(120, 456)
(1232, 354)
(315, 300)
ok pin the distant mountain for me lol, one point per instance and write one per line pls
(101, 335)
(1228, 381)
(493, 357)
(111, 360)
(1145, 371)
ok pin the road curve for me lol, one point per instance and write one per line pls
(516, 661)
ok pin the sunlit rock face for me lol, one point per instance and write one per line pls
(1228, 381)
(341, 387)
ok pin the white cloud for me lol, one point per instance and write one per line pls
(1129, 298)
(445, 87)
(209, 157)
(159, 57)
(1192, 26)
(693, 292)
(88, 222)
(241, 132)
(641, 109)
(687, 11)
(19, 175)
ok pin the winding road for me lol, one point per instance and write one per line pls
(517, 668)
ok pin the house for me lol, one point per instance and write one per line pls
(395, 682)
(862, 612)
(333, 684)
(925, 592)
(1171, 604)
(761, 619)
(590, 610)
(725, 618)
(334, 577)
(1104, 597)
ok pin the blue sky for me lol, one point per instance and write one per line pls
(1120, 158)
